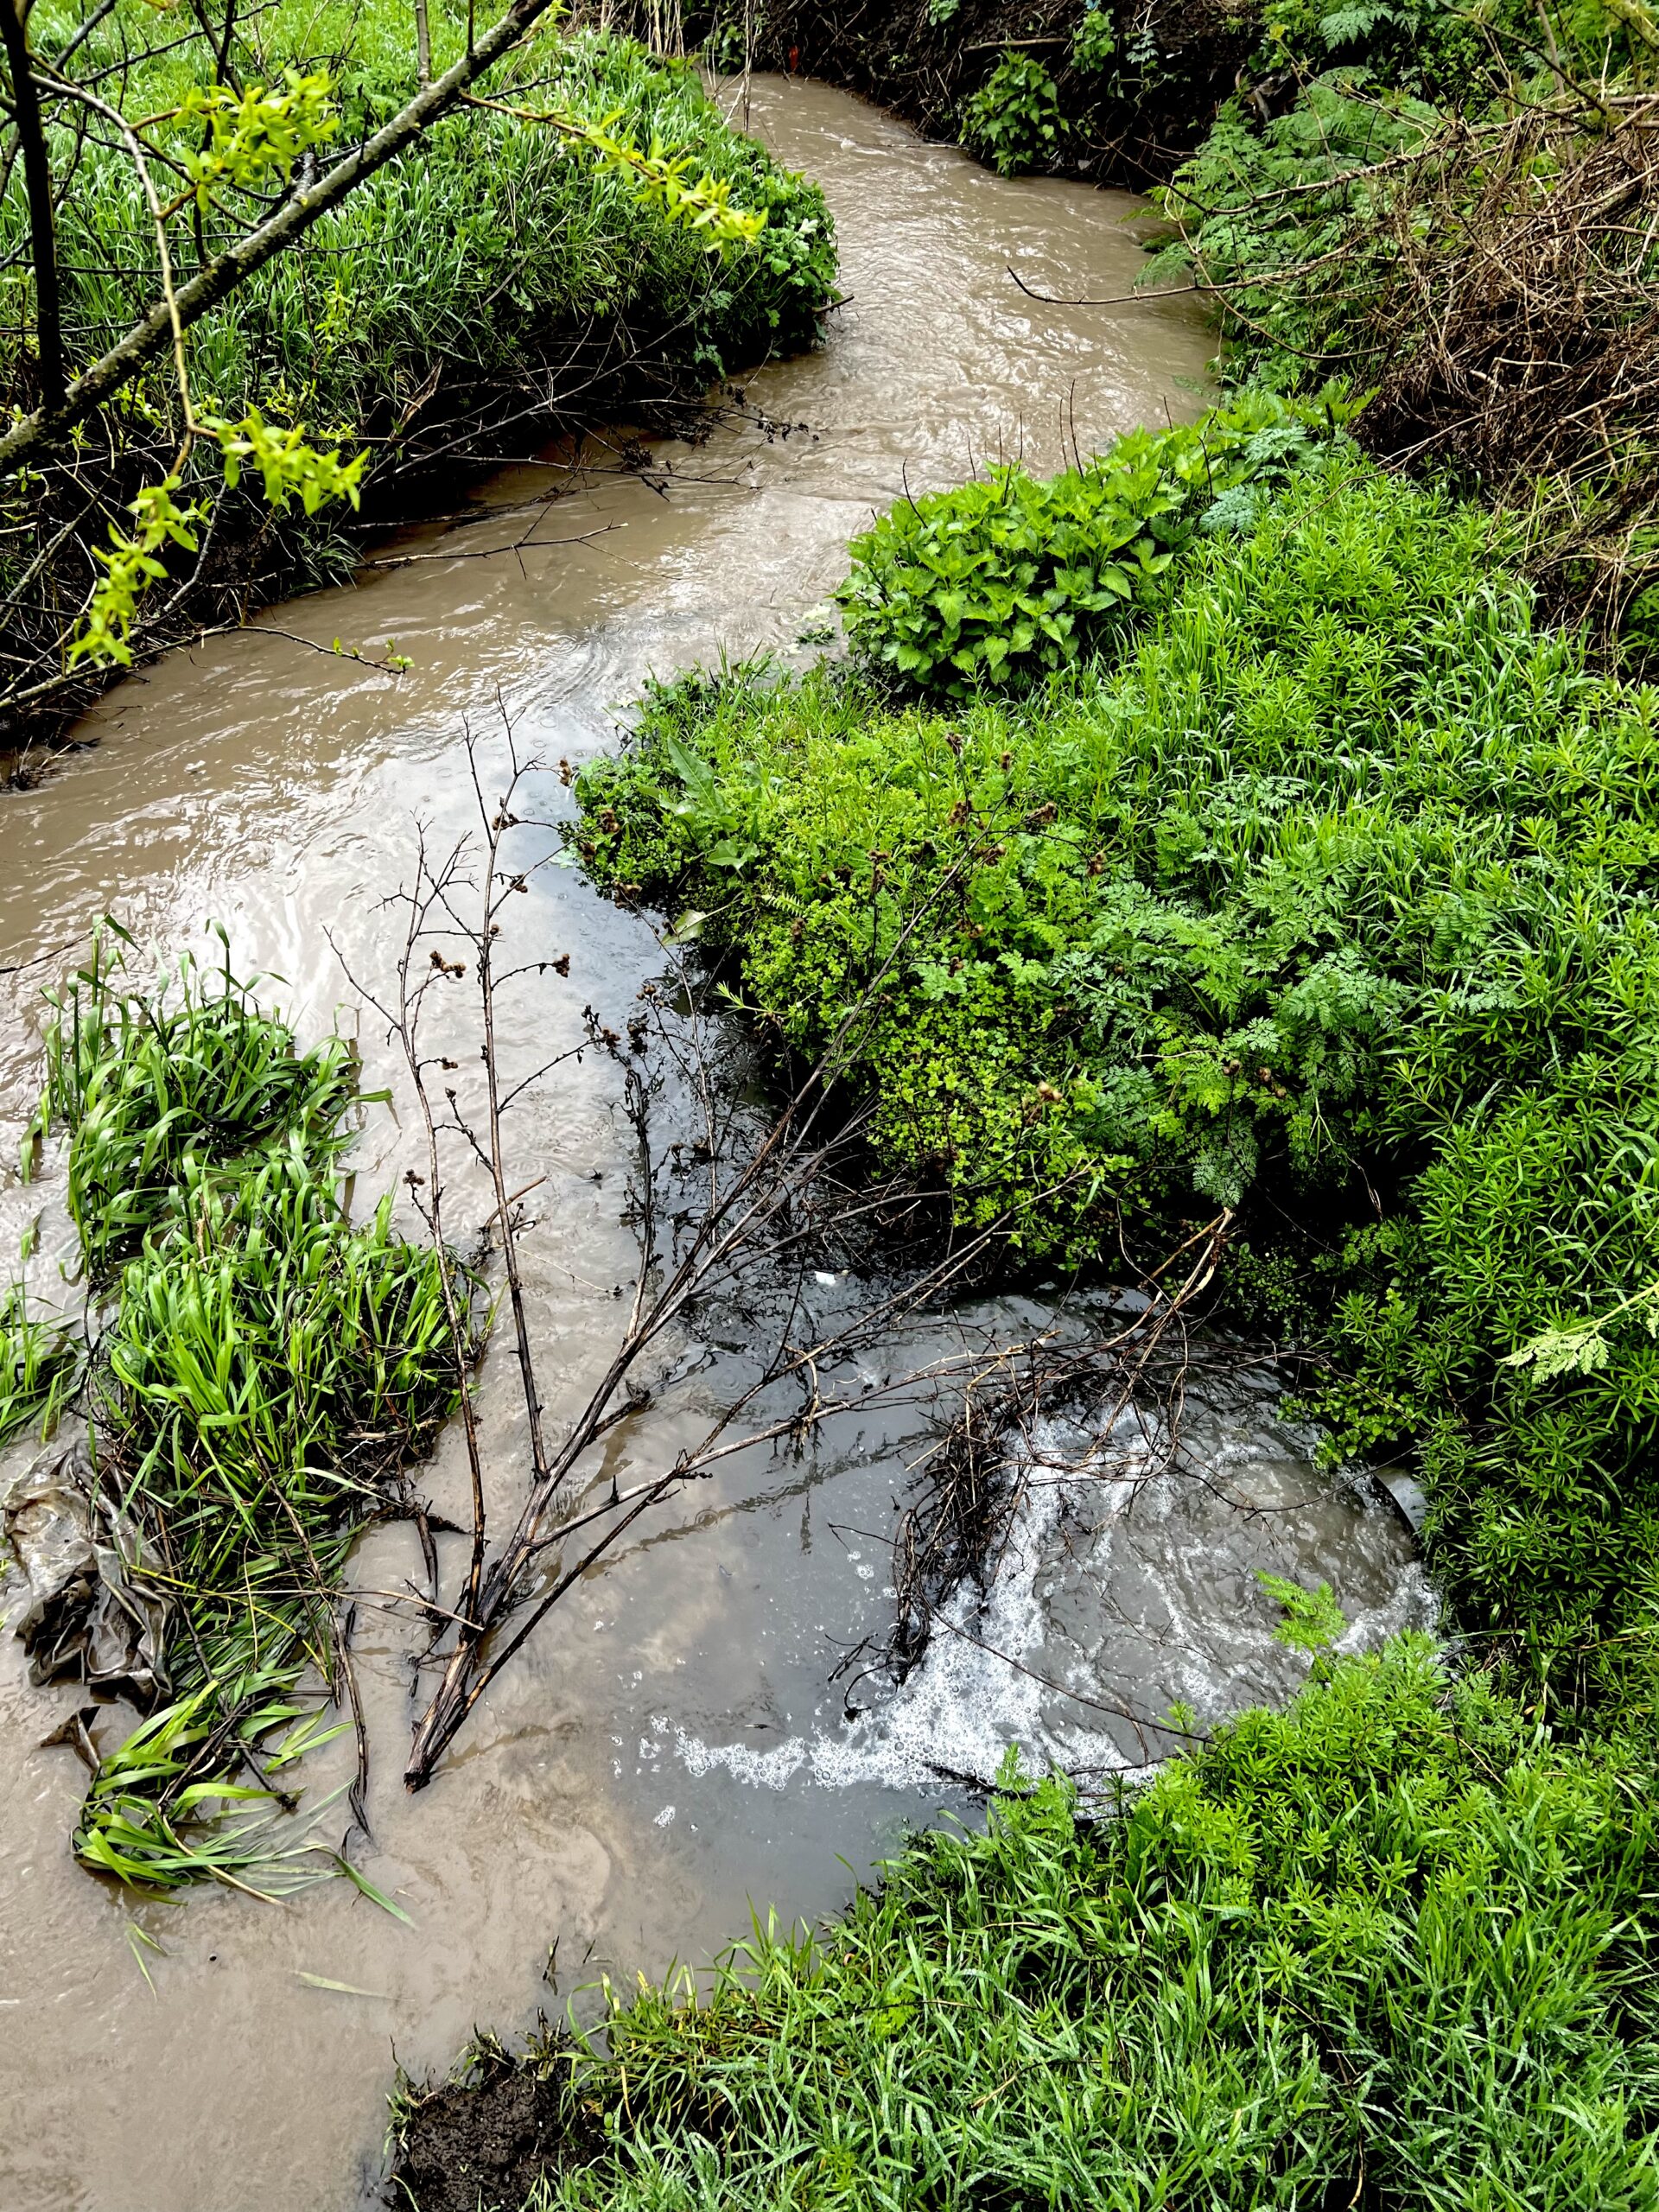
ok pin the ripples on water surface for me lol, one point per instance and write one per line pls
(669, 1747)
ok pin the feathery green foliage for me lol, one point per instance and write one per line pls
(1326, 898)
(1264, 209)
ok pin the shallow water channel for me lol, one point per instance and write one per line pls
(669, 1747)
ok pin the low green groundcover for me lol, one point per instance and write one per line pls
(1386, 1948)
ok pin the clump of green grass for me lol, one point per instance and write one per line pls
(1386, 1947)
(258, 1369)
(141, 1083)
(1324, 897)
(38, 1362)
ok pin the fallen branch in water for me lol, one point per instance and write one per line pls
(766, 1201)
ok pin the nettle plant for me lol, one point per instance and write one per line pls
(1012, 579)
(1013, 120)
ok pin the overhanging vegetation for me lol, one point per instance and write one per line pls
(591, 237)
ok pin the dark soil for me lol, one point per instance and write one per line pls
(484, 2142)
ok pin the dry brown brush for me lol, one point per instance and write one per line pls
(1515, 334)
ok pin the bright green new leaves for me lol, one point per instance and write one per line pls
(1009, 579)
(685, 194)
(290, 467)
(254, 138)
(1013, 120)
(130, 565)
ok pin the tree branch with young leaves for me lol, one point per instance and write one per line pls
(234, 175)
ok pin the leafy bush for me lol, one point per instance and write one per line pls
(1011, 579)
(1328, 899)
(493, 252)
(1390, 1942)
(1013, 120)
(1094, 43)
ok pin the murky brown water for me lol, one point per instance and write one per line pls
(667, 1749)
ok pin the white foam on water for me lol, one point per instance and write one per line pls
(967, 1701)
(1000, 1673)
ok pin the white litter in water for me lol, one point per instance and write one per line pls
(665, 1816)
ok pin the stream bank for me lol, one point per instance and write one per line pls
(674, 1748)
(1127, 98)
(410, 331)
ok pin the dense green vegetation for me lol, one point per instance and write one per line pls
(499, 238)
(1386, 1948)
(506, 276)
(255, 1372)
(1230, 828)
(1324, 894)
(1014, 577)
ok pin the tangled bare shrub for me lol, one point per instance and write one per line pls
(1517, 334)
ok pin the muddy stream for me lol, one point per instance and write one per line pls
(669, 1747)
